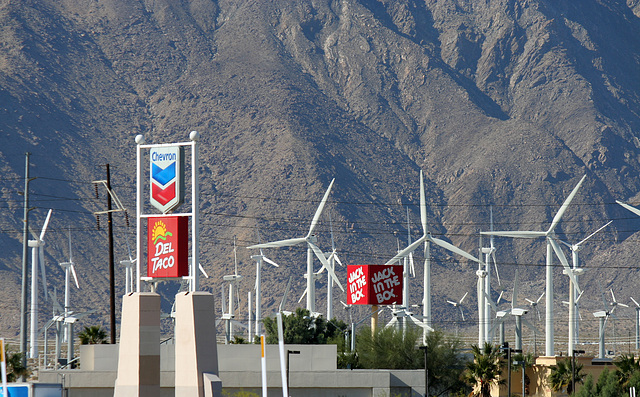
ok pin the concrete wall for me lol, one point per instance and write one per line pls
(312, 373)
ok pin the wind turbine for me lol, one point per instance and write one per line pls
(312, 248)
(534, 304)
(552, 246)
(128, 265)
(232, 279)
(260, 258)
(573, 314)
(69, 269)
(573, 287)
(603, 317)
(332, 258)
(37, 255)
(458, 304)
(427, 239)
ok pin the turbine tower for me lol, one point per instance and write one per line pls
(260, 259)
(37, 255)
(552, 246)
(489, 257)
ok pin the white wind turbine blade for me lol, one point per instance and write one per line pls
(613, 296)
(316, 216)
(540, 298)
(516, 234)
(223, 304)
(454, 249)
(303, 295)
(579, 296)
(495, 264)
(492, 246)
(423, 205)
(565, 264)
(593, 234)
(634, 301)
(412, 268)
(420, 323)
(338, 260)
(406, 251)
(75, 276)
(465, 295)
(565, 205)
(281, 243)
(452, 303)
(284, 296)
(325, 264)
(43, 272)
(204, 273)
(70, 250)
(500, 297)
(391, 323)
(461, 312)
(615, 301)
(44, 227)
(493, 305)
(269, 261)
(630, 208)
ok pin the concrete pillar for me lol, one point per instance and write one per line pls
(196, 366)
(139, 351)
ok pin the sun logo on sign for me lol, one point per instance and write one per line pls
(160, 232)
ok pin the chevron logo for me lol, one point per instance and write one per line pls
(166, 177)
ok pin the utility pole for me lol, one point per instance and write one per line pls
(25, 254)
(112, 288)
(111, 197)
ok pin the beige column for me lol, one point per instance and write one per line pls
(139, 351)
(196, 354)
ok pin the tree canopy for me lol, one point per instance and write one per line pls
(301, 328)
(485, 369)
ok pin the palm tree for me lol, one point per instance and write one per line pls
(561, 377)
(15, 369)
(485, 369)
(626, 366)
(93, 335)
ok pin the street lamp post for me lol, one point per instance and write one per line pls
(573, 369)
(426, 372)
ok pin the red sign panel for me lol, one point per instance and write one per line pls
(374, 284)
(168, 246)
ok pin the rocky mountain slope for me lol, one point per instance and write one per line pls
(501, 103)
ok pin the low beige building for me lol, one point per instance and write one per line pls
(313, 373)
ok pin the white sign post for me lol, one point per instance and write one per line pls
(3, 367)
(166, 164)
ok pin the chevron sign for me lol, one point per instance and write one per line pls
(166, 177)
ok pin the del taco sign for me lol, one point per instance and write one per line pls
(168, 246)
